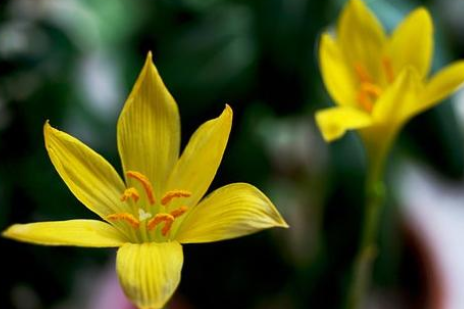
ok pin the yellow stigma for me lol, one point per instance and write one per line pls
(145, 182)
(130, 193)
(170, 195)
(126, 217)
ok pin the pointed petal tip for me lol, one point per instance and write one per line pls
(326, 40)
(7, 232)
(329, 133)
(81, 233)
(15, 231)
(325, 36)
(149, 64)
(229, 212)
(422, 17)
(149, 58)
(228, 111)
(280, 221)
(355, 4)
(336, 121)
(47, 125)
(423, 12)
(443, 83)
(48, 130)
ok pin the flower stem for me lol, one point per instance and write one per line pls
(367, 252)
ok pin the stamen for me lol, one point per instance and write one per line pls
(166, 228)
(362, 73)
(126, 217)
(371, 89)
(130, 193)
(158, 219)
(365, 101)
(176, 213)
(145, 183)
(387, 66)
(170, 195)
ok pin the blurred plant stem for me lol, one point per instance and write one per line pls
(374, 201)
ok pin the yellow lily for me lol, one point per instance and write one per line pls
(159, 206)
(380, 81)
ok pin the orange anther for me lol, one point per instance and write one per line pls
(362, 73)
(170, 195)
(158, 219)
(176, 213)
(387, 66)
(145, 183)
(365, 101)
(126, 217)
(130, 193)
(166, 228)
(371, 89)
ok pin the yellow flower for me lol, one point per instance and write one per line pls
(380, 81)
(159, 205)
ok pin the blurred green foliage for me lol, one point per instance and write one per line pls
(74, 62)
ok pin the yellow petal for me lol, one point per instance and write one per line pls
(88, 175)
(412, 43)
(399, 102)
(231, 211)
(338, 78)
(82, 233)
(149, 272)
(361, 37)
(334, 122)
(200, 160)
(443, 84)
(149, 129)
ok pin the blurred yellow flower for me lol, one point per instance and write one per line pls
(159, 206)
(380, 81)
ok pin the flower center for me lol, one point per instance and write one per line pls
(369, 91)
(145, 223)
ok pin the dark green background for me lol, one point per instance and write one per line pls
(74, 63)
